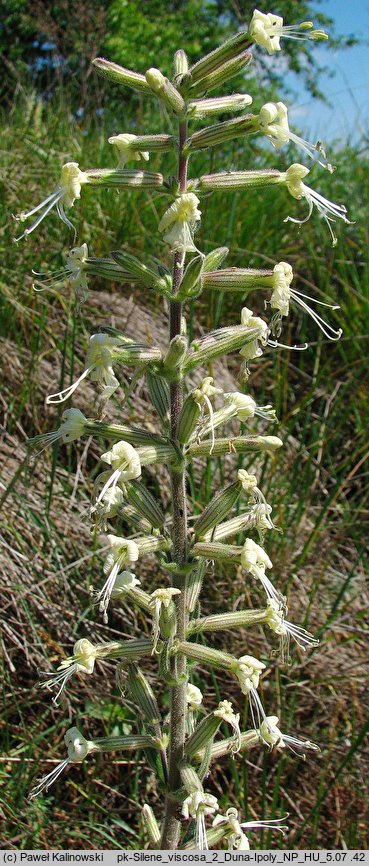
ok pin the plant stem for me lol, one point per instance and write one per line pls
(171, 824)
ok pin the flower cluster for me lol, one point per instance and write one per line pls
(130, 514)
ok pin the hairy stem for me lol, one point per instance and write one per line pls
(171, 824)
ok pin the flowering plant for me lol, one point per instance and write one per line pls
(189, 411)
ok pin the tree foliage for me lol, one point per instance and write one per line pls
(49, 43)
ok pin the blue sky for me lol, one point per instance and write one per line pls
(348, 90)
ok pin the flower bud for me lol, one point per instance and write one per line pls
(194, 584)
(130, 743)
(215, 550)
(220, 342)
(225, 52)
(232, 527)
(220, 132)
(121, 178)
(130, 434)
(151, 825)
(154, 143)
(145, 504)
(249, 739)
(225, 621)
(241, 179)
(218, 76)
(176, 353)
(203, 734)
(237, 445)
(143, 695)
(188, 420)
(219, 105)
(158, 454)
(131, 650)
(159, 395)
(215, 258)
(207, 655)
(108, 269)
(218, 508)
(180, 64)
(238, 279)
(119, 74)
(191, 283)
(168, 621)
(146, 275)
(165, 90)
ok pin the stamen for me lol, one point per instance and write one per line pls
(49, 780)
(327, 329)
(276, 345)
(61, 213)
(25, 216)
(111, 482)
(38, 221)
(63, 395)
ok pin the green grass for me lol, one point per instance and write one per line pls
(317, 486)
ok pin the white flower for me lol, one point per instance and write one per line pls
(109, 506)
(193, 697)
(273, 122)
(78, 748)
(253, 349)
(77, 745)
(82, 661)
(270, 734)
(72, 427)
(68, 190)
(125, 580)
(266, 29)
(74, 271)
(99, 360)
(282, 294)
(123, 550)
(248, 670)
(255, 561)
(202, 395)
(197, 805)
(225, 712)
(233, 830)
(327, 209)
(249, 482)
(277, 623)
(262, 517)
(194, 702)
(179, 222)
(123, 143)
(244, 404)
(125, 461)
(74, 266)
(162, 597)
(245, 407)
